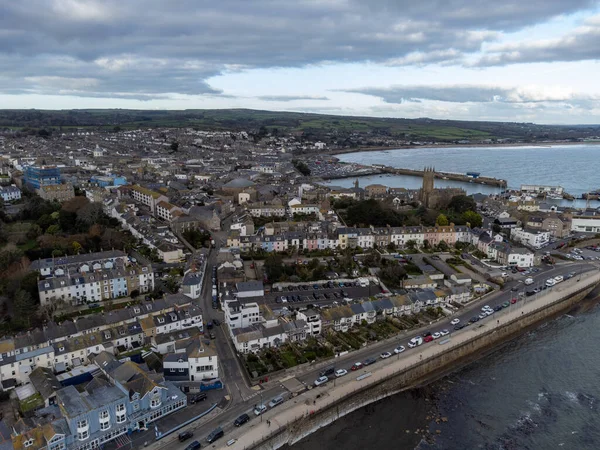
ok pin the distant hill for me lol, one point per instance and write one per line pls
(311, 125)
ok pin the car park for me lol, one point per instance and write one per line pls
(184, 436)
(260, 409)
(356, 366)
(241, 420)
(399, 349)
(321, 380)
(340, 373)
(215, 434)
(276, 401)
(385, 355)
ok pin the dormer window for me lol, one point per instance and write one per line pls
(46, 285)
(161, 320)
(136, 310)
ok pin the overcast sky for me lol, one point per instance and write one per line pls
(507, 60)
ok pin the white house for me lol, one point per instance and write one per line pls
(312, 319)
(10, 193)
(531, 238)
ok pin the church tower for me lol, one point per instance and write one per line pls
(427, 189)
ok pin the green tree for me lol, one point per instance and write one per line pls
(496, 228)
(411, 244)
(76, 247)
(472, 218)
(442, 246)
(273, 267)
(24, 306)
(462, 203)
(441, 220)
(53, 229)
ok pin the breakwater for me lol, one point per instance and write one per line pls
(436, 361)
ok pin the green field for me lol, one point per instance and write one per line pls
(312, 125)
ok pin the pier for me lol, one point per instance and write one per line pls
(443, 176)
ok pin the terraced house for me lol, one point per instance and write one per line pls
(96, 286)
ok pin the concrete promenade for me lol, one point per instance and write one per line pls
(274, 421)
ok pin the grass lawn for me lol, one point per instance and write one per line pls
(31, 403)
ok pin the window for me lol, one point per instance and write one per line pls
(82, 423)
(155, 402)
(120, 417)
(83, 435)
(121, 407)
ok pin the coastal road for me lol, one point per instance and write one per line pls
(309, 374)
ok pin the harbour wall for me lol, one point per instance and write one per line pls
(429, 369)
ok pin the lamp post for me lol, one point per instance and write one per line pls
(261, 405)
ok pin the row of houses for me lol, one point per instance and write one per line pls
(253, 327)
(344, 238)
(70, 344)
(342, 318)
(495, 247)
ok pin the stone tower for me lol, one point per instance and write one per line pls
(428, 186)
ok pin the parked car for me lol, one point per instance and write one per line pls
(260, 409)
(482, 316)
(197, 397)
(399, 349)
(356, 366)
(444, 332)
(276, 401)
(184, 436)
(558, 279)
(459, 327)
(505, 304)
(436, 335)
(214, 435)
(429, 338)
(340, 373)
(327, 371)
(241, 420)
(193, 446)
(369, 361)
(321, 380)
(385, 355)
(454, 321)
(418, 340)
(550, 282)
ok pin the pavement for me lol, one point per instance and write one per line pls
(320, 397)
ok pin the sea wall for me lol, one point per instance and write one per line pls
(425, 371)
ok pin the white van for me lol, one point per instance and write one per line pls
(558, 279)
(529, 281)
(415, 342)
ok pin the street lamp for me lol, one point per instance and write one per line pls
(261, 404)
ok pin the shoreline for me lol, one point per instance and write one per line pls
(409, 147)
(301, 419)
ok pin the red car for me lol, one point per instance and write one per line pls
(356, 366)
(429, 338)
(513, 300)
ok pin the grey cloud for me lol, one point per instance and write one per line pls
(579, 45)
(289, 98)
(474, 94)
(154, 47)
